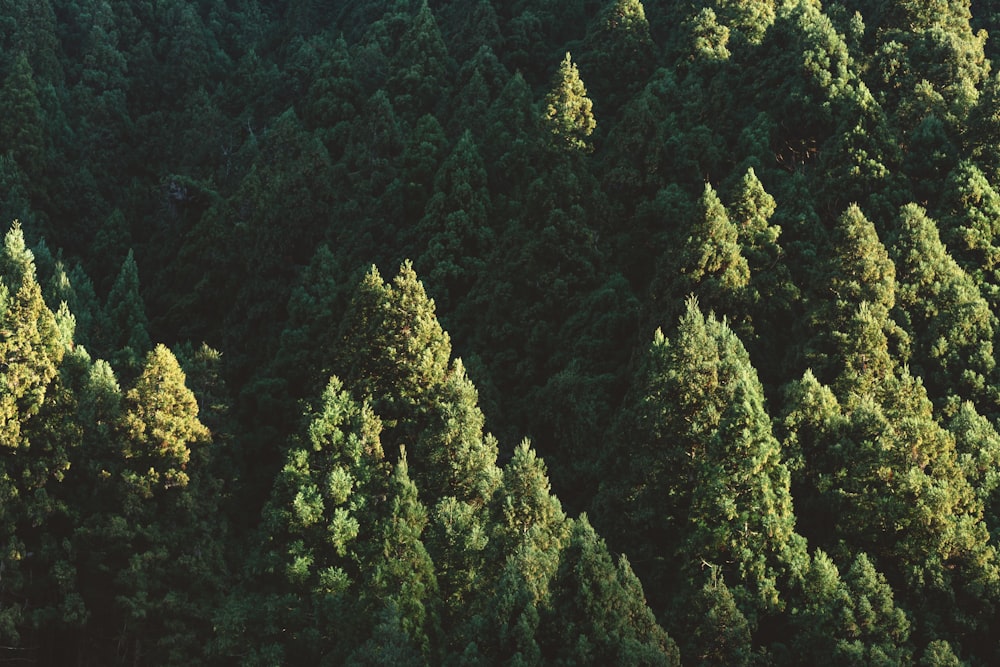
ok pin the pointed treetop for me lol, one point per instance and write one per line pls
(163, 420)
(568, 111)
(862, 268)
(17, 261)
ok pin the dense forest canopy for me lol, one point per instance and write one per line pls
(409, 332)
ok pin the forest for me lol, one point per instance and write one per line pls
(441, 332)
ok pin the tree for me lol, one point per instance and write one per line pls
(704, 480)
(394, 350)
(950, 323)
(421, 76)
(456, 224)
(319, 525)
(622, 53)
(22, 131)
(126, 337)
(598, 613)
(568, 112)
(710, 265)
(851, 619)
(859, 273)
(887, 479)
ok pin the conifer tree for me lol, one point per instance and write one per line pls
(969, 225)
(709, 40)
(529, 531)
(713, 631)
(29, 344)
(322, 501)
(38, 431)
(859, 273)
(977, 444)
(709, 265)
(568, 112)
(888, 481)
(622, 52)
(598, 612)
(951, 325)
(704, 478)
(127, 339)
(420, 80)
(456, 225)
(22, 131)
(851, 619)
(395, 351)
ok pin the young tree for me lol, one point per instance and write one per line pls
(568, 112)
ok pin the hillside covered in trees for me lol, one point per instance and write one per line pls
(440, 332)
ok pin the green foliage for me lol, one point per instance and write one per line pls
(250, 158)
(951, 324)
(699, 473)
(568, 112)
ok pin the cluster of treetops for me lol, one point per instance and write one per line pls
(730, 267)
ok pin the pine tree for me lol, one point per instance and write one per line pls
(162, 420)
(859, 273)
(568, 112)
(851, 619)
(888, 480)
(319, 526)
(29, 341)
(420, 79)
(713, 631)
(622, 52)
(709, 265)
(395, 351)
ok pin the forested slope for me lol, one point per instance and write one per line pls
(303, 304)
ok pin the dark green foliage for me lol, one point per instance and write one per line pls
(697, 472)
(821, 177)
(950, 322)
(599, 614)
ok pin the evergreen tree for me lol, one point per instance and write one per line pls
(951, 325)
(599, 615)
(395, 351)
(859, 273)
(456, 224)
(37, 429)
(887, 480)
(709, 265)
(421, 76)
(126, 338)
(704, 479)
(851, 619)
(319, 527)
(621, 51)
(22, 131)
(568, 112)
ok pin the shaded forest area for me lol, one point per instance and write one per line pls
(414, 332)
